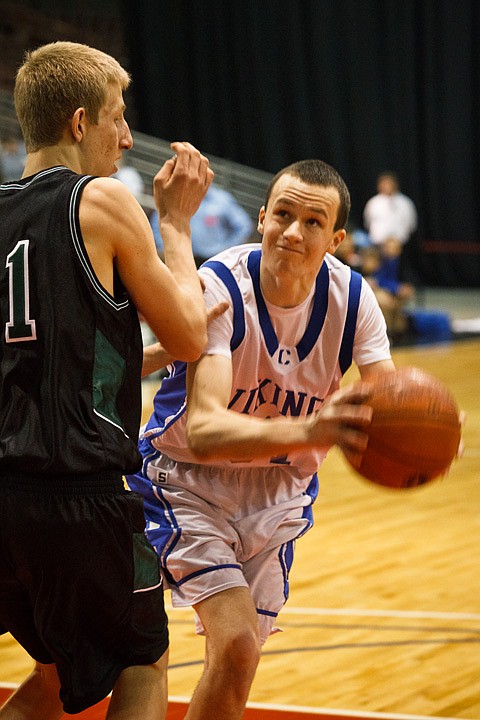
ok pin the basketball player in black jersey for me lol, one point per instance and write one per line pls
(79, 585)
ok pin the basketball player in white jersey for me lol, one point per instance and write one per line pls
(229, 479)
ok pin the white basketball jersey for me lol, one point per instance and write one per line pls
(285, 361)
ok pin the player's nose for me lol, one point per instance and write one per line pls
(293, 232)
(126, 139)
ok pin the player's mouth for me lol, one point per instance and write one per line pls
(289, 249)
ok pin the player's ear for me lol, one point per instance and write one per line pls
(78, 124)
(261, 218)
(338, 238)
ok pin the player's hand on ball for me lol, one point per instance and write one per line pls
(415, 433)
(344, 420)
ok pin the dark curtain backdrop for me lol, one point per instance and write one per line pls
(366, 85)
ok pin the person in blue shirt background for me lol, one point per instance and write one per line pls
(219, 223)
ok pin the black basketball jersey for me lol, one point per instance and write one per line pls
(70, 395)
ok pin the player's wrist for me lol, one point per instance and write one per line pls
(178, 224)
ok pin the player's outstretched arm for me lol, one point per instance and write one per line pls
(213, 431)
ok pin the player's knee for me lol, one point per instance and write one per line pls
(241, 651)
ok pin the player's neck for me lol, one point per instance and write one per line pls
(48, 157)
(283, 290)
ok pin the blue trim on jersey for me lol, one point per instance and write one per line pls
(166, 537)
(230, 283)
(285, 556)
(266, 612)
(312, 492)
(317, 317)
(269, 335)
(207, 570)
(319, 311)
(169, 403)
(346, 348)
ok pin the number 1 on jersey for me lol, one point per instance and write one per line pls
(20, 327)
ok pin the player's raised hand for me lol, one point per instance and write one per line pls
(180, 185)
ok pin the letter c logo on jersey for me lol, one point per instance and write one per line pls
(284, 356)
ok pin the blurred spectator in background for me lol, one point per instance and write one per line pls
(130, 177)
(219, 223)
(12, 158)
(349, 253)
(390, 218)
(390, 213)
(379, 266)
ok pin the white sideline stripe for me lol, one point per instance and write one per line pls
(365, 612)
(300, 709)
(327, 711)
(342, 713)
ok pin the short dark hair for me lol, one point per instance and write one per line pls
(317, 172)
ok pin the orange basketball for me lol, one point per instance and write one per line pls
(415, 430)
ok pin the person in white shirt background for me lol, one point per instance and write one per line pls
(390, 213)
(390, 218)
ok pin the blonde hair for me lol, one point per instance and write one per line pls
(54, 81)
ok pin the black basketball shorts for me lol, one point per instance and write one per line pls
(79, 583)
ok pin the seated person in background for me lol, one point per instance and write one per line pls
(380, 267)
(219, 223)
(348, 253)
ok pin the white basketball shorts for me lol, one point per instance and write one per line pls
(216, 528)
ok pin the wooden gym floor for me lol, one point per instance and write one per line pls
(383, 619)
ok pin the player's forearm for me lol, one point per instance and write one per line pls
(155, 357)
(230, 435)
(179, 259)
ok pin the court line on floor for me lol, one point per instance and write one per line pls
(306, 710)
(284, 710)
(364, 612)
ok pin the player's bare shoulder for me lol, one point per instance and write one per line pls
(110, 213)
(107, 200)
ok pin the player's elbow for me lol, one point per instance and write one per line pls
(199, 447)
(198, 441)
(194, 347)
(189, 344)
